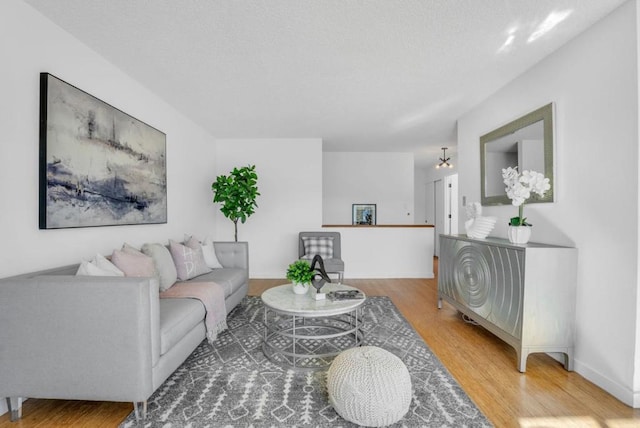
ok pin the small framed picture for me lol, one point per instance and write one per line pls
(363, 214)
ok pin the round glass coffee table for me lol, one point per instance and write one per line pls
(303, 332)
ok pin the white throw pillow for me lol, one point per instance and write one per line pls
(89, 269)
(103, 263)
(209, 253)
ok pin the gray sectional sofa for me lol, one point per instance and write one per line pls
(102, 338)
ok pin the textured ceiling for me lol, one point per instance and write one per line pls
(364, 75)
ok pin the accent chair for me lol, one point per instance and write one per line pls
(327, 246)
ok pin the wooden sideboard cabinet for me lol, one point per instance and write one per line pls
(524, 294)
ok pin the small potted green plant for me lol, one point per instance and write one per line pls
(300, 274)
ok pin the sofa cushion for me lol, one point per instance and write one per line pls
(189, 262)
(130, 249)
(322, 246)
(333, 265)
(102, 262)
(209, 253)
(88, 268)
(133, 264)
(167, 274)
(177, 318)
(231, 279)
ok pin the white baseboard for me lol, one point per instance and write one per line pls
(627, 396)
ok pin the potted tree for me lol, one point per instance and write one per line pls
(300, 274)
(237, 193)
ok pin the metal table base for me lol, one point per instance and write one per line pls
(310, 342)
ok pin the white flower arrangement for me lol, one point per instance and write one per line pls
(520, 188)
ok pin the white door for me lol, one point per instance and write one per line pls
(451, 204)
(439, 210)
(445, 208)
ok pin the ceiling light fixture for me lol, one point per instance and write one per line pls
(444, 160)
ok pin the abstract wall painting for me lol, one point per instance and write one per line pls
(98, 165)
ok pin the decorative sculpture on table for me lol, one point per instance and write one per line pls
(320, 276)
(478, 226)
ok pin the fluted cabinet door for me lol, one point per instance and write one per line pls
(506, 290)
(487, 280)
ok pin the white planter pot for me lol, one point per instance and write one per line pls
(300, 288)
(519, 234)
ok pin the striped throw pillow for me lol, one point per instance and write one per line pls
(323, 246)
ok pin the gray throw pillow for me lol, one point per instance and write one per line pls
(164, 264)
(322, 246)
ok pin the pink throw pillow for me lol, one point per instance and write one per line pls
(189, 261)
(134, 264)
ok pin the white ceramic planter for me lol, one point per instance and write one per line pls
(519, 234)
(300, 288)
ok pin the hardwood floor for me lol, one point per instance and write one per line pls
(485, 367)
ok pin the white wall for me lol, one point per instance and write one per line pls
(636, 378)
(386, 252)
(593, 80)
(31, 44)
(384, 179)
(422, 203)
(290, 185)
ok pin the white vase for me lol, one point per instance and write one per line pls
(519, 234)
(300, 288)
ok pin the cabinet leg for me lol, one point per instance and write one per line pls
(15, 408)
(568, 361)
(522, 360)
(439, 302)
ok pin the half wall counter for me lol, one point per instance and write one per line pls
(386, 251)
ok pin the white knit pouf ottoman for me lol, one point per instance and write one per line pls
(369, 386)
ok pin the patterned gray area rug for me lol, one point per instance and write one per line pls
(232, 384)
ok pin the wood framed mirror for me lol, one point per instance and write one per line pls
(527, 143)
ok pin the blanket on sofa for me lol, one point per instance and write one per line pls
(212, 297)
